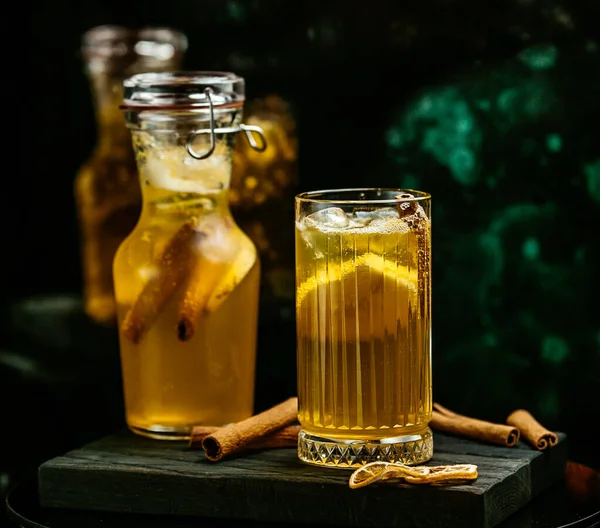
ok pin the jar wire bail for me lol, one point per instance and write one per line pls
(249, 131)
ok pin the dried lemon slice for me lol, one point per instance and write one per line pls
(433, 475)
(375, 471)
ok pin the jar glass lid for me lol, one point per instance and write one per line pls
(183, 90)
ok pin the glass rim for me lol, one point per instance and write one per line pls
(319, 196)
(177, 77)
(113, 41)
(183, 90)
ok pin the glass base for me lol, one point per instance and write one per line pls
(159, 432)
(411, 449)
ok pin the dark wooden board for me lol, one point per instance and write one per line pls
(127, 473)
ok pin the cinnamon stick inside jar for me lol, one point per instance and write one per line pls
(285, 437)
(212, 256)
(212, 280)
(237, 436)
(204, 278)
(172, 269)
(532, 431)
(447, 421)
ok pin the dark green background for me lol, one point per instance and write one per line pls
(493, 110)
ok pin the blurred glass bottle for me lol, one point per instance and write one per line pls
(262, 194)
(107, 191)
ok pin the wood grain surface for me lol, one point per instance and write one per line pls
(127, 473)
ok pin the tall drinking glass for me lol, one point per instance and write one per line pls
(363, 312)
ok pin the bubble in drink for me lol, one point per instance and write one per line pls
(330, 218)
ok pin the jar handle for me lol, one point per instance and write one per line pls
(248, 130)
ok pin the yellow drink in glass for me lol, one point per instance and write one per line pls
(363, 326)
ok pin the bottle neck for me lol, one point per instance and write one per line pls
(172, 180)
(107, 95)
(176, 185)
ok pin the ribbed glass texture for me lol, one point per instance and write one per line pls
(363, 306)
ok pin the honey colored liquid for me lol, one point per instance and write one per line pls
(363, 325)
(171, 385)
(107, 193)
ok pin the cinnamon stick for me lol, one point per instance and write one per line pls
(533, 432)
(285, 437)
(211, 281)
(173, 265)
(447, 421)
(202, 282)
(421, 227)
(228, 440)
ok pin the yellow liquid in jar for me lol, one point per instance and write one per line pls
(171, 385)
